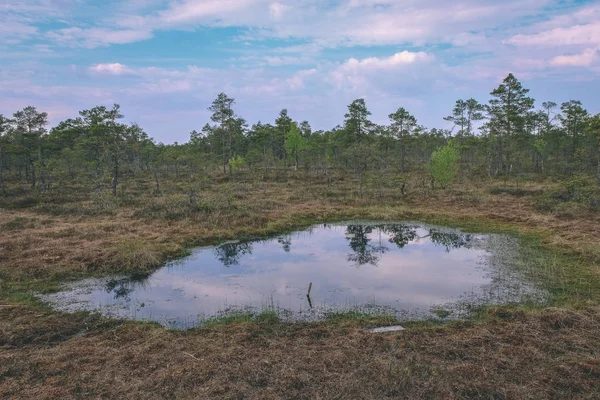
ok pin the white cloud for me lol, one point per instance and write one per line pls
(111, 69)
(12, 32)
(530, 63)
(401, 58)
(277, 61)
(572, 35)
(277, 10)
(31, 7)
(352, 76)
(166, 86)
(356, 73)
(297, 81)
(585, 59)
(566, 40)
(206, 12)
(576, 16)
(333, 24)
(302, 72)
(95, 37)
(195, 80)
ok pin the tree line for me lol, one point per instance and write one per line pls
(505, 137)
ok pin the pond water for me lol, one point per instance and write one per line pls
(409, 270)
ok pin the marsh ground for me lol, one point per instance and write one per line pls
(507, 352)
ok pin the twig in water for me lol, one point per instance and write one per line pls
(308, 295)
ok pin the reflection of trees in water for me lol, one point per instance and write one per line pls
(286, 242)
(400, 234)
(450, 240)
(122, 288)
(364, 251)
(230, 253)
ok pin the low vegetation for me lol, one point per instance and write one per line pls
(94, 197)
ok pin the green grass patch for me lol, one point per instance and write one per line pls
(264, 317)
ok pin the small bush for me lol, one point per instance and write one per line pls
(178, 207)
(514, 191)
(569, 209)
(595, 202)
(137, 255)
(577, 195)
(16, 203)
(16, 224)
(236, 164)
(546, 203)
(444, 164)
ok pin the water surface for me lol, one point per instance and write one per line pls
(403, 269)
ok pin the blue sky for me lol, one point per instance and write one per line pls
(164, 61)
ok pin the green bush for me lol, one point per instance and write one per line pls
(546, 202)
(236, 163)
(444, 165)
(576, 194)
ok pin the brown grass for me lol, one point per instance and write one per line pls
(552, 354)
(511, 354)
(49, 246)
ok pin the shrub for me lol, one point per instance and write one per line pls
(546, 202)
(444, 164)
(16, 224)
(137, 255)
(236, 163)
(576, 195)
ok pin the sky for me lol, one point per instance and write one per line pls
(164, 61)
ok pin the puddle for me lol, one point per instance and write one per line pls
(408, 270)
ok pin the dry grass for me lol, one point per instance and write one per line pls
(44, 246)
(510, 354)
(552, 354)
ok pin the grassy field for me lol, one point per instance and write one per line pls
(504, 353)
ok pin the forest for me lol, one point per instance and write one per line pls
(507, 137)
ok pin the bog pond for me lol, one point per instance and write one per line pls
(407, 270)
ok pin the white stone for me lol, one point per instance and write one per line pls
(385, 329)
